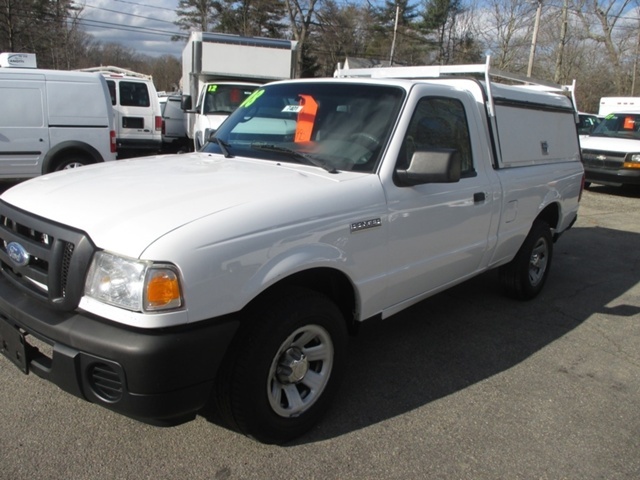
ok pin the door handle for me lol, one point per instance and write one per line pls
(479, 197)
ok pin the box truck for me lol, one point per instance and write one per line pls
(219, 71)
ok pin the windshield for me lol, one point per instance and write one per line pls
(225, 98)
(619, 125)
(334, 126)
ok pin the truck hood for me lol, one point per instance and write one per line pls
(623, 145)
(152, 196)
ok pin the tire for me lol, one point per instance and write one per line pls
(284, 366)
(71, 162)
(524, 277)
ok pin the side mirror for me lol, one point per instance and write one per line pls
(185, 102)
(209, 133)
(441, 165)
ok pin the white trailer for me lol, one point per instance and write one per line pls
(221, 70)
(618, 104)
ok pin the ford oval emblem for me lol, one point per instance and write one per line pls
(17, 254)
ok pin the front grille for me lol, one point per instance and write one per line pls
(53, 259)
(603, 159)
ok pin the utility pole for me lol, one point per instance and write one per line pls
(563, 38)
(395, 32)
(534, 40)
(635, 66)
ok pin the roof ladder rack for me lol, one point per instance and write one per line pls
(116, 71)
(438, 71)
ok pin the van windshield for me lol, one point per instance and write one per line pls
(619, 125)
(339, 127)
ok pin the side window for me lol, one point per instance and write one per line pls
(438, 122)
(112, 91)
(134, 94)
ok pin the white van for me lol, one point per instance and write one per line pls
(52, 120)
(137, 112)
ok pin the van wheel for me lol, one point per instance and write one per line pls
(71, 162)
(284, 366)
(524, 277)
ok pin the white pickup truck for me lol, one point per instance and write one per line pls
(236, 274)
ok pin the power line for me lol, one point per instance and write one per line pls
(128, 28)
(130, 14)
(145, 5)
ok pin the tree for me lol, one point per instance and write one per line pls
(48, 28)
(454, 40)
(409, 48)
(13, 24)
(253, 18)
(505, 29)
(197, 15)
(341, 31)
(166, 71)
(608, 14)
(301, 13)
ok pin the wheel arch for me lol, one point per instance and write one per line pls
(69, 148)
(331, 282)
(551, 215)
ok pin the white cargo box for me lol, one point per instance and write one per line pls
(225, 55)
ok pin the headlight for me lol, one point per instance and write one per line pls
(632, 160)
(136, 285)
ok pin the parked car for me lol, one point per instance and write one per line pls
(611, 152)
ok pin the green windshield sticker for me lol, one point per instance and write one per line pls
(252, 98)
(212, 88)
(611, 115)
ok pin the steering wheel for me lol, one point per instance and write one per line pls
(365, 139)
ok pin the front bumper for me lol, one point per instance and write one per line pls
(607, 176)
(160, 377)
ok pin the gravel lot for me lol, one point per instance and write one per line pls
(466, 385)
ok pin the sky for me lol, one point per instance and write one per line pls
(143, 25)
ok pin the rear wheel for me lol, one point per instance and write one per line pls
(524, 277)
(72, 161)
(284, 366)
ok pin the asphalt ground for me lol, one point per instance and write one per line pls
(466, 385)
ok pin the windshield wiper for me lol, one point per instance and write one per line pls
(299, 155)
(223, 146)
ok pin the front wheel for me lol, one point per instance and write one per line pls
(524, 277)
(284, 366)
